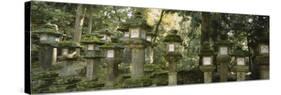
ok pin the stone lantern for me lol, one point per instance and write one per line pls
(113, 57)
(207, 62)
(48, 39)
(137, 43)
(263, 57)
(241, 65)
(223, 58)
(92, 54)
(173, 54)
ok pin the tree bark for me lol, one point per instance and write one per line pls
(158, 24)
(90, 16)
(79, 20)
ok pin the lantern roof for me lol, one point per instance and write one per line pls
(91, 39)
(69, 44)
(123, 27)
(48, 30)
(239, 52)
(224, 43)
(137, 20)
(115, 44)
(173, 37)
(206, 50)
(105, 31)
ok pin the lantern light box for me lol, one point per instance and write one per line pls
(148, 38)
(171, 47)
(135, 33)
(43, 38)
(110, 54)
(264, 49)
(223, 51)
(90, 47)
(240, 61)
(207, 61)
(64, 51)
(126, 34)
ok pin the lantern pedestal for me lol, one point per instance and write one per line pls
(172, 58)
(48, 56)
(241, 72)
(113, 57)
(112, 72)
(137, 47)
(223, 62)
(208, 73)
(138, 61)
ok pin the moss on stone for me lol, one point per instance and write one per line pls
(172, 38)
(69, 44)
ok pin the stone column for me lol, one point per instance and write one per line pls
(223, 61)
(172, 72)
(241, 72)
(112, 72)
(138, 60)
(172, 58)
(91, 69)
(48, 56)
(208, 73)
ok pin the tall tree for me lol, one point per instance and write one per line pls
(79, 21)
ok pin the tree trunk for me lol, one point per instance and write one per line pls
(158, 24)
(90, 16)
(79, 19)
(205, 28)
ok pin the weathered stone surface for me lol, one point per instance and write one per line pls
(138, 61)
(208, 77)
(172, 78)
(241, 76)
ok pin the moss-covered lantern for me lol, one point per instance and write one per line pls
(241, 66)
(173, 45)
(207, 61)
(48, 39)
(92, 54)
(113, 57)
(137, 43)
(223, 59)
